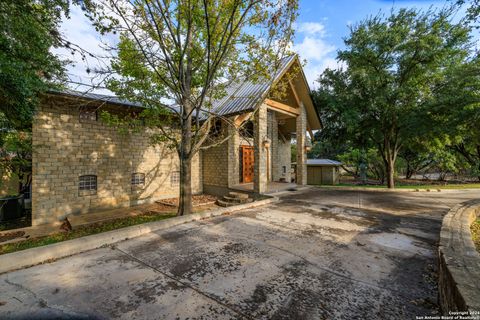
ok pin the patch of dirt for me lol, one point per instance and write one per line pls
(11, 235)
(197, 200)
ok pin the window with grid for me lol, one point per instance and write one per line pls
(88, 115)
(138, 179)
(87, 184)
(175, 178)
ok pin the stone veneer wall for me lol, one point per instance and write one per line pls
(215, 167)
(221, 164)
(459, 262)
(280, 151)
(65, 148)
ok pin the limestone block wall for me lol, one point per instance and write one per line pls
(261, 134)
(215, 166)
(65, 148)
(284, 161)
(280, 151)
(301, 125)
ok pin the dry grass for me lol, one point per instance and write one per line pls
(87, 230)
(475, 228)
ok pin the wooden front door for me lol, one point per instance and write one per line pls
(247, 164)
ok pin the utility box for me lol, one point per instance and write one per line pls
(323, 171)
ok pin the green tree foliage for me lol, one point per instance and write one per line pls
(176, 57)
(473, 9)
(16, 157)
(455, 112)
(392, 65)
(29, 29)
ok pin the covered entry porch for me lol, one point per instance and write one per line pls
(262, 163)
(259, 137)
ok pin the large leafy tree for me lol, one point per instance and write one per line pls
(29, 29)
(455, 112)
(176, 57)
(392, 65)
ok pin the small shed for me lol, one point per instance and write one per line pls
(323, 171)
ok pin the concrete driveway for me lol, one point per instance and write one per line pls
(316, 254)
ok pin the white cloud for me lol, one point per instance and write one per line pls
(312, 45)
(313, 49)
(311, 28)
(79, 31)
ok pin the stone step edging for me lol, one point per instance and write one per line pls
(459, 261)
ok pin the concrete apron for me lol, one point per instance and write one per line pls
(30, 257)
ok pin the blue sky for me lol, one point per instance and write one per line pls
(331, 20)
(320, 29)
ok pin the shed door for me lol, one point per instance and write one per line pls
(314, 175)
(247, 163)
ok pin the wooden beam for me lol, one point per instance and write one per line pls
(297, 99)
(241, 118)
(282, 136)
(311, 133)
(281, 107)
(299, 104)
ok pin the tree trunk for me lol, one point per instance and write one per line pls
(185, 200)
(20, 183)
(389, 157)
(390, 173)
(409, 172)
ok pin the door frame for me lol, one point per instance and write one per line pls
(243, 148)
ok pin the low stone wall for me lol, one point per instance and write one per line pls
(459, 261)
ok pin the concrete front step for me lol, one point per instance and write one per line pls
(238, 195)
(235, 200)
(225, 203)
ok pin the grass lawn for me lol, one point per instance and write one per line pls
(85, 231)
(475, 228)
(413, 186)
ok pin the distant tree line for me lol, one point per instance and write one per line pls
(407, 98)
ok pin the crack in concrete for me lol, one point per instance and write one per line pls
(40, 301)
(186, 284)
(21, 287)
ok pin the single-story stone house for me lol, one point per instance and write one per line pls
(81, 164)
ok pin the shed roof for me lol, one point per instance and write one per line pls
(323, 162)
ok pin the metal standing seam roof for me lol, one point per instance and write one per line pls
(98, 97)
(246, 95)
(240, 97)
(323, 162)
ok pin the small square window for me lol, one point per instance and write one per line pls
(87, 115)
(87, 185)
(175, 179)
(138, 179)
